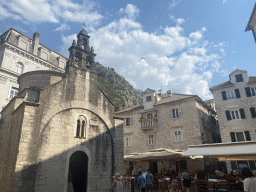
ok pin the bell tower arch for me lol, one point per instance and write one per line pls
(81, 55)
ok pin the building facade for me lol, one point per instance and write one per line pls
(235, 102)
(20, 54)
(60, 123)
(171, 121)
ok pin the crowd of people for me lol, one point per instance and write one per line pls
(145, 180)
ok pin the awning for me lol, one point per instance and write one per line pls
(224, 151)
(156, 154)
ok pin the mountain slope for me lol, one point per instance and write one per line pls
(117, 89)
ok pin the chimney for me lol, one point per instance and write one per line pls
(35, 44)
(169, 93)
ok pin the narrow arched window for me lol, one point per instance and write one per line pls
(81, 127)
(83, 130)
(19, 68)
(78, 128)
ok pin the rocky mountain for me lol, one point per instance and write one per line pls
(117, 89)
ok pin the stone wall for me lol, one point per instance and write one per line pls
(236, 125)
(47, 136)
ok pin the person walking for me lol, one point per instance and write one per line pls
(70, 185)
(117, 184)
(186, 181)
(141, 182)
(250, 181)
(149, 182)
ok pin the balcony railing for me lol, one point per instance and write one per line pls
(148, 124)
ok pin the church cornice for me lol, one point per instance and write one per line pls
(33, 57)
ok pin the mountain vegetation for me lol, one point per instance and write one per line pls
(117, 89)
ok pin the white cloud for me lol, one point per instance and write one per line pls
(63, 27)
(174, 3)
(179, 21)
(50, 11)
(184, 64)
(131, 10)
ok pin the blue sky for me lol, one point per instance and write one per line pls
(187, 46)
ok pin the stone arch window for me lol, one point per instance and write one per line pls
(89, 60)
(80, 127)
(78, 59)
(19, 68)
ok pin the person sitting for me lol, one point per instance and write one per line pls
(213, 175)
(174, 186)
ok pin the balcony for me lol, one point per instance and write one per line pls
(148, 124)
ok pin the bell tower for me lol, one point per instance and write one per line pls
(80, 54)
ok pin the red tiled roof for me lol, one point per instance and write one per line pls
(252, 80)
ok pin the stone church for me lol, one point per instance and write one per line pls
(61, 123)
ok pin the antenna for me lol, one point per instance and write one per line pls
(160, 91)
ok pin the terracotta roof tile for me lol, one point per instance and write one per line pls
(224, 84)
(135, 107)
(175, 97)
(252, 80)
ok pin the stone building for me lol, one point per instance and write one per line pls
(235, 105)
(171, 121)
(61, 122)
(20, 54)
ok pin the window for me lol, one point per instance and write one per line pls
(240, 164)
(226, 95)
(177, 135)
(230, 95)
(149, 116)
(80, 127)
(128, 141)
(19, 68)
(13, 92)
(127, 121)
(252, 109)
(148, 98)
(151, 140)
(175, 113)
(250, 91)
(235, 114)
(239, 78)
(240, 136)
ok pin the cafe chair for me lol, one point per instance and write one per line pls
(213, 187)
(223, 186)
(201, 185)
(160, 182)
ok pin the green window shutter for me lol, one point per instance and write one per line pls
(242, 113)
(252, 109)
(228, 115)
(233, 137)
(224, 96)
(247, 136)
(233, 165)
(237, 93)
(252, 165)
(247, 91)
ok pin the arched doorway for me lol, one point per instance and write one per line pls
(78, 166)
